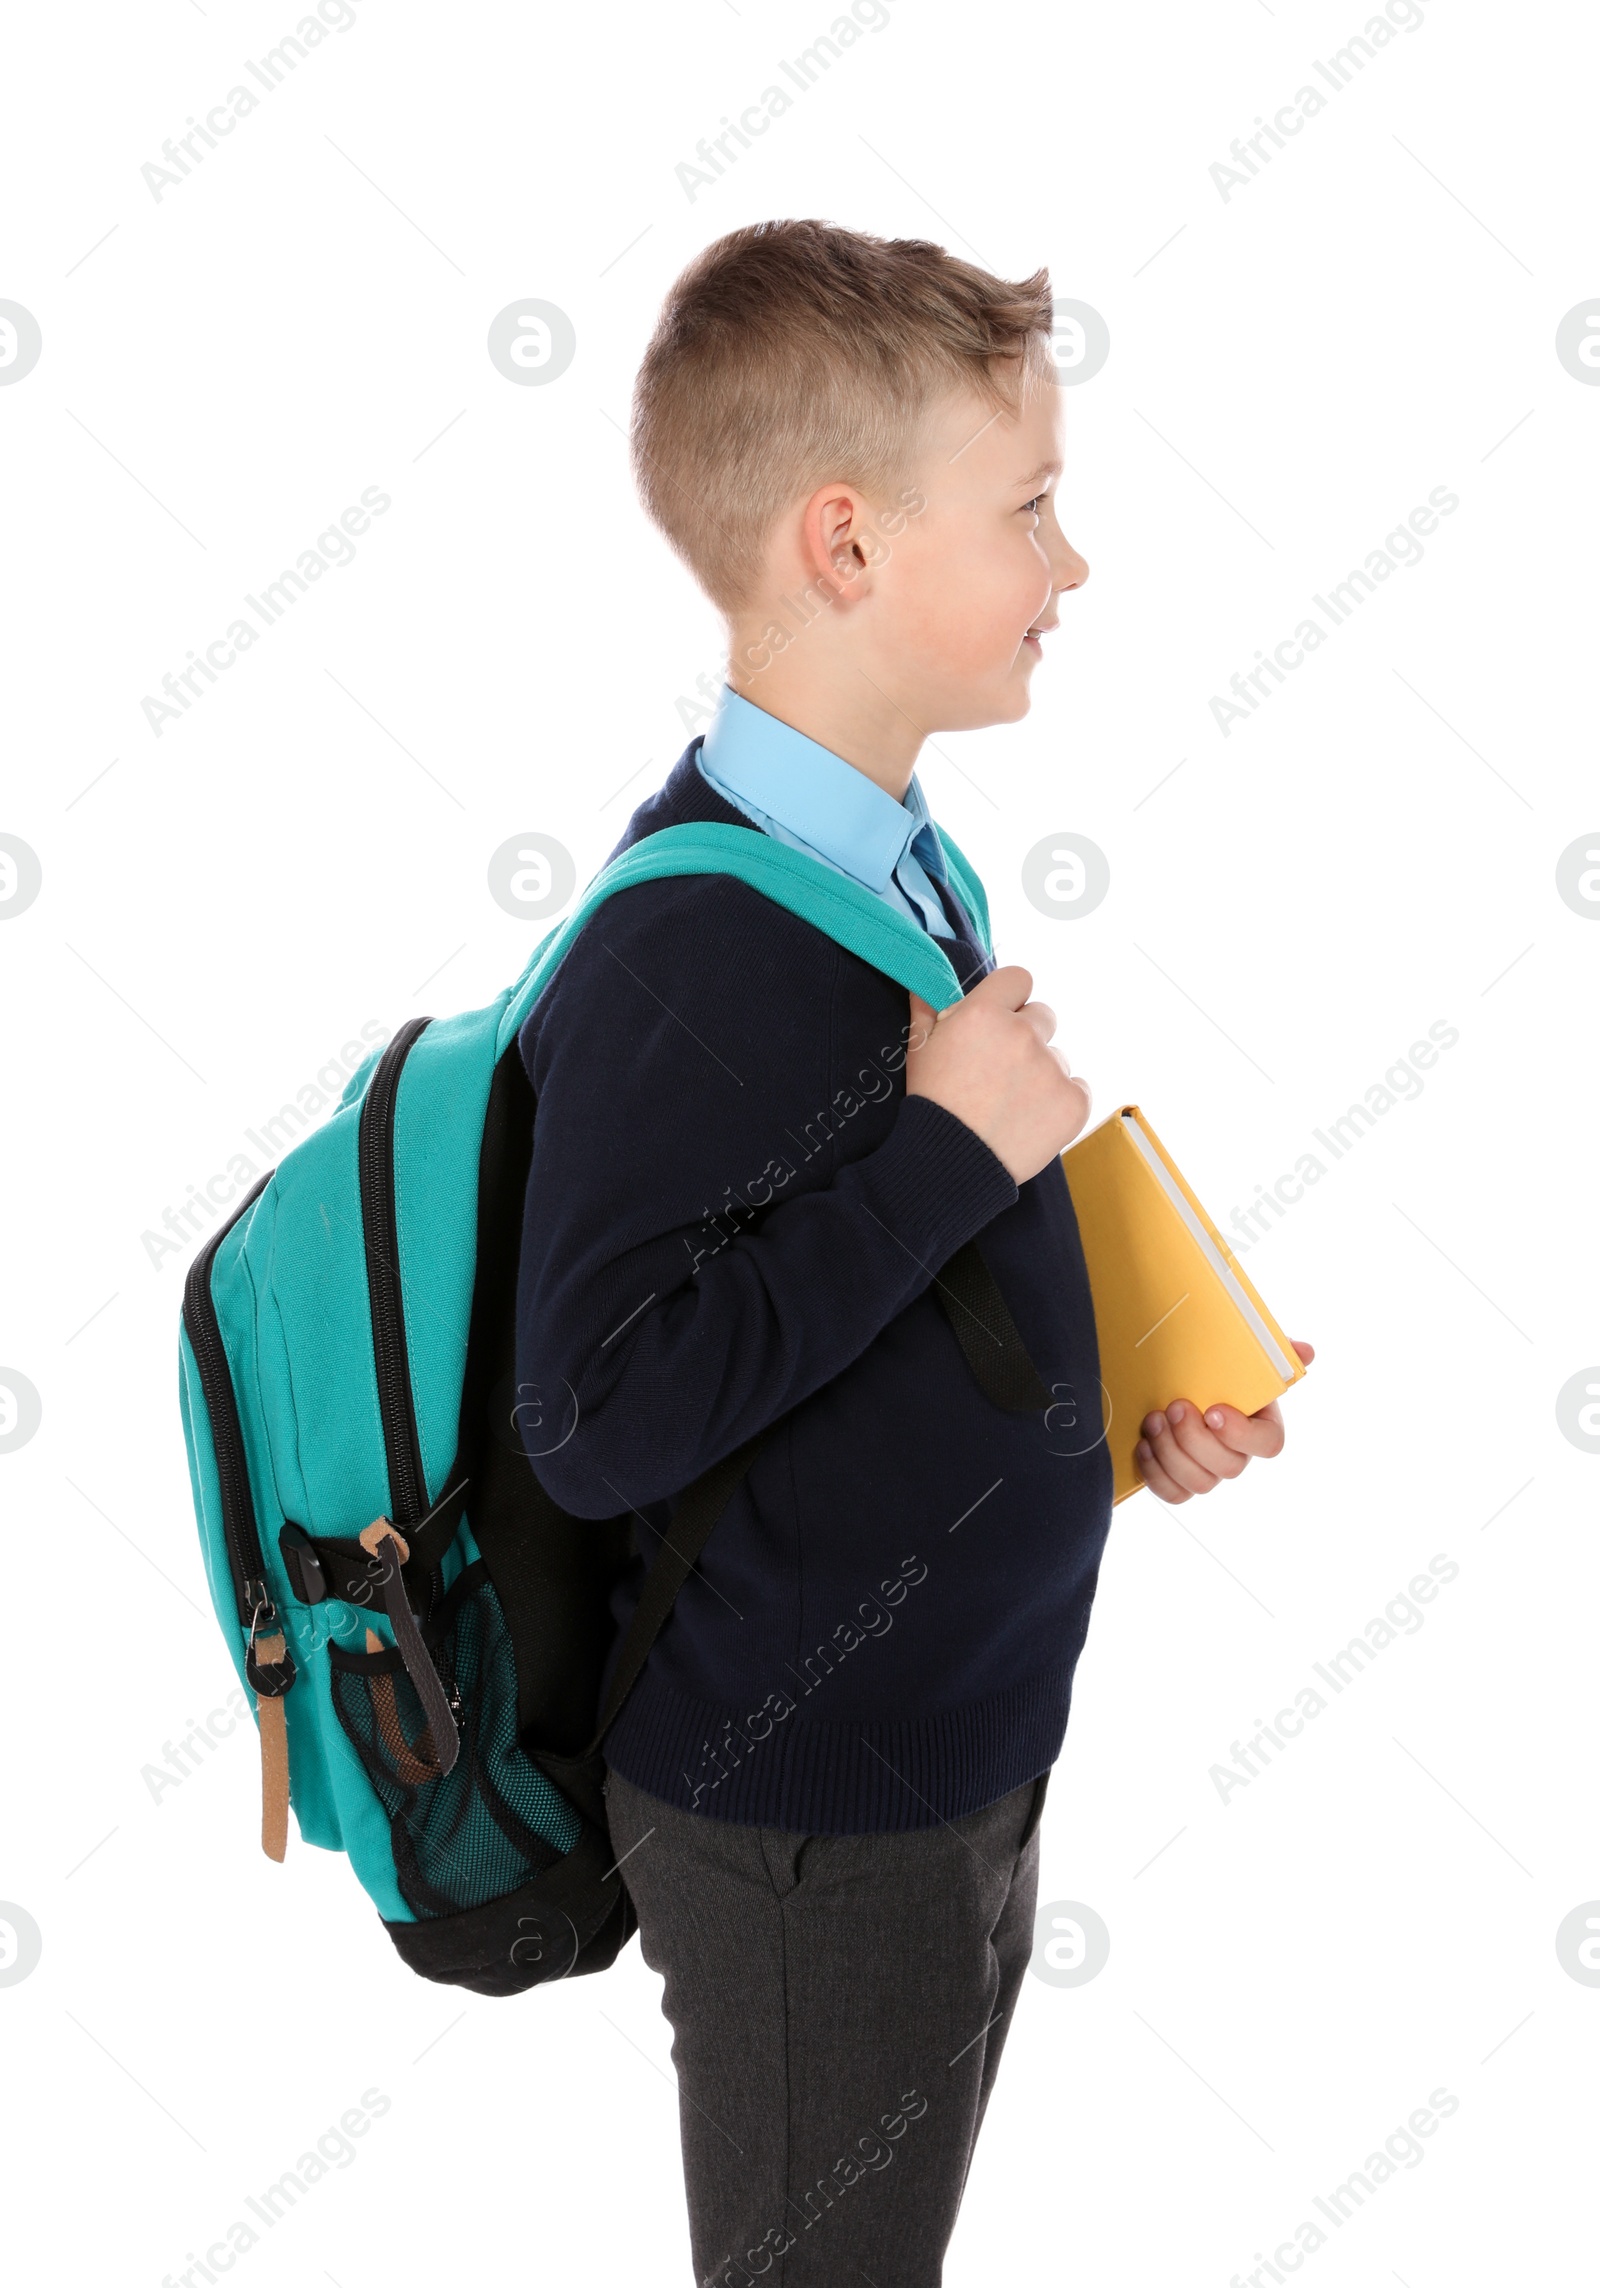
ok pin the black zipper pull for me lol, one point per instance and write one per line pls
(268, 1662)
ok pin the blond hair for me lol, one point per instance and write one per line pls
(789, 353)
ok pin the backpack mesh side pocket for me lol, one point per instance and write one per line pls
(492, 1823)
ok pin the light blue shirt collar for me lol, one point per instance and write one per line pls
(770, 769)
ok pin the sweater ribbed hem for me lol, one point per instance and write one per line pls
(838, 1779)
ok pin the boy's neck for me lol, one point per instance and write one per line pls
(864, 726)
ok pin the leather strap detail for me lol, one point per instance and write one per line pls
(274, 1755)
(414, 1764)
(387, 1557)
(331, 1566)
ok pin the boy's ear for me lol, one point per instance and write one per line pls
(837, 540)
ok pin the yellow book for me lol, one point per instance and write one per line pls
(1175, 1315)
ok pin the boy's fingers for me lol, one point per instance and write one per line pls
(1041, 1017)
(922, 1021)
(1010, 986)
(1248, 1433)
(1155, 1477)
(1188, 1427)
(1178, 1465)
(1184, 1452)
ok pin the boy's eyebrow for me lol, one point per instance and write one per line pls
(1045, 469)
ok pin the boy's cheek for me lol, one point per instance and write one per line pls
(963, 609)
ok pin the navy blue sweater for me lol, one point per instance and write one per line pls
(735, 1214)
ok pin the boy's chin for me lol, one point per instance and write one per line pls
(1017, 697)
(982, 708)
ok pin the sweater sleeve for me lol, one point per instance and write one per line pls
(717, 1221)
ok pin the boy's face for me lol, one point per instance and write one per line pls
(975, 578)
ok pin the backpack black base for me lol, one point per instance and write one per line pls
(575, 1919)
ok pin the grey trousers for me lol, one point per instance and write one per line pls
(838, 2006)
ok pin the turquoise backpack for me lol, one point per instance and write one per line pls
(423, 1633)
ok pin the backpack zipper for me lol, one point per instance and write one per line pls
(239, 1528)
(408, 1485)
(268, 1663)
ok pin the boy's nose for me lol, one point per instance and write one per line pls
(1073, 569)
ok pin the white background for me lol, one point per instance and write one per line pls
(1292, 370)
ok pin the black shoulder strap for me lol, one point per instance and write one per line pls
(988, 1334)
(699, 1508)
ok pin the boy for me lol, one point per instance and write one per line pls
(752, 1162)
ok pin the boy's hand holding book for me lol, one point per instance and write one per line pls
(1185, 1452)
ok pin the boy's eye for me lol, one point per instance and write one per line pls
(1031, 507)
